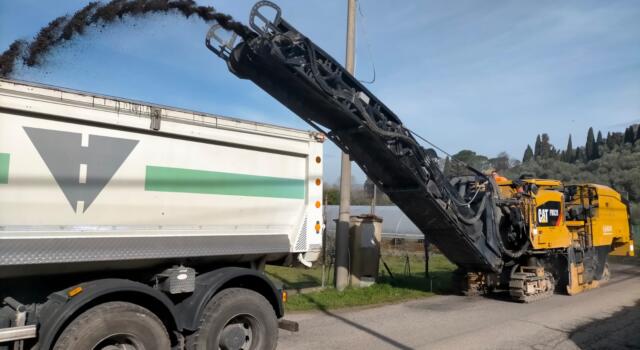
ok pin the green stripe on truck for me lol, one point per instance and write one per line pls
(165, 179)
(4, 168)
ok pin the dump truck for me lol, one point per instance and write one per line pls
(529, 236)
(130, 225)
(125, 225)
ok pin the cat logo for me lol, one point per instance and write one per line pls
(543, 216)
(548, 216)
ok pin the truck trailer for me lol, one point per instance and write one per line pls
(112, 210)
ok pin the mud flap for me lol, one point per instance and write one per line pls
(287, 325)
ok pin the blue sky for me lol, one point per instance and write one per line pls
(481, 75)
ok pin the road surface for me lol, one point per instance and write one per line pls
(604, 318)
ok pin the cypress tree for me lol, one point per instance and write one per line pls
(599, 140)
(590, 148)
(629, 135)
(638, 134)
(528, 154)
(546, 149)
(599, 145)
(537, 148)
(568, 154)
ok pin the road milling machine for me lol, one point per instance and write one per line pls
(528, 236)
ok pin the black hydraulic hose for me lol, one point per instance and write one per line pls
(473, 220)
(375, 128)
(350, 97)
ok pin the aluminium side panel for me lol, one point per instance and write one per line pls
(84, 182)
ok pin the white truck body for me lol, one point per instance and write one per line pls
(87, 178)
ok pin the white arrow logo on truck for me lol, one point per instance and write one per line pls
(81, 170)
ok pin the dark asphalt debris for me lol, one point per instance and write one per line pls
(46, 38)
(79, 21)
(66, 28)
(8, 58)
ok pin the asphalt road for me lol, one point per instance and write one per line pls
(604, 318)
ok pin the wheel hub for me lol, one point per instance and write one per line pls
(120, 347)
(236, 336)
(119, 342)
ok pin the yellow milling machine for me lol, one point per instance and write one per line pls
(573, 228)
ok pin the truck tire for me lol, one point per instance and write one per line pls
(236, 319)
(113, 326)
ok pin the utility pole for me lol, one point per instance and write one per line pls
(342, 229)
(374, 200)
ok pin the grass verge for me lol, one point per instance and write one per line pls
(408, 283)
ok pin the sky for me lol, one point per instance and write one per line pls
(482, 75)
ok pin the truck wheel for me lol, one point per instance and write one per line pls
(115, 326)
(236, 319)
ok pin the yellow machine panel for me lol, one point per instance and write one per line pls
(547, 227)
(596, 214)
